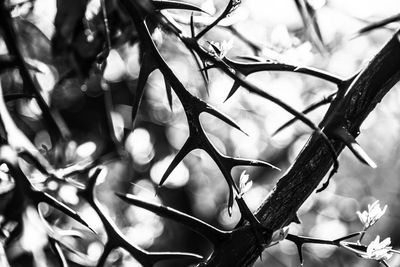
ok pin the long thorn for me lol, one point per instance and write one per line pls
(213, 234)
(312, 107)
(186, 148)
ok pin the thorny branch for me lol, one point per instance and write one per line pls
(278, 210)
(355, 99)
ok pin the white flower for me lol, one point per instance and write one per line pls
(374, 213)
(244, 183)
(280, 234)
(221, 49)
(377, 250)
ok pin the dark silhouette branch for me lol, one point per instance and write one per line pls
(10, 39)
(213, 234)
(311, 166)
(349, 106)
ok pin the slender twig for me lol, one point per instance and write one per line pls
(256, 48)
(170, 4)
(213, 234)
(190, 43)
(28, 193)
(192, 106)
(362, 235)
(378, 24)
(299, 241)
(249, 67)
(115, 238)
(12, 46)
(106, 24)
(238, 77)
(58, 252)
(324, 101)
(232, 4)
(309, 18)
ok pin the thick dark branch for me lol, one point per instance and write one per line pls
(240, 79)
(278, 209)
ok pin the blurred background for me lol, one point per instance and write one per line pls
(265, 28)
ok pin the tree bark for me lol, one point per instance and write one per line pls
(314, 161)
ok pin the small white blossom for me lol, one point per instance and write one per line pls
(280, 234)
(377, 250)
(221, 49)
(372, 215)
(244, 183)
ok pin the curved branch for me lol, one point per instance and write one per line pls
(277, 210)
